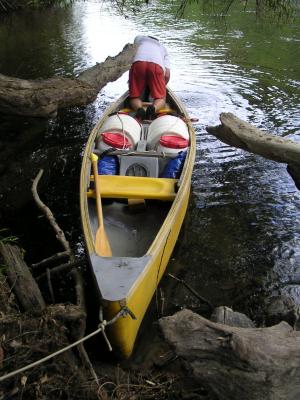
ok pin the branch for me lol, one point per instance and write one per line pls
(193, 291)
(241, 134)
(47, 212)
(42, 98)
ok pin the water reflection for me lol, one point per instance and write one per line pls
(243, 235)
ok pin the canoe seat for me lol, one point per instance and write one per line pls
(135, 187)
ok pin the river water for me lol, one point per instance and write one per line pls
(241, 239)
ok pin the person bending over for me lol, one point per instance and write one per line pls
(150, 69)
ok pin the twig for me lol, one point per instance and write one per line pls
(79, 285)
(50, 260)
(193, 291)
(50, 286)
(61, 237)
(124, 311)
(59, 233)
(61, 268)
(79, 288)
(162, 297)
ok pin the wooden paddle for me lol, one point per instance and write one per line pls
(102, 245)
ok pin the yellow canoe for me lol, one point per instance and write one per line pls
(141, 240)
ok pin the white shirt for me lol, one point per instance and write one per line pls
(152, 51)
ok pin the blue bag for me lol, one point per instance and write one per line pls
(174, 166)
(108, 165)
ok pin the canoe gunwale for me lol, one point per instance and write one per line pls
(139, 288)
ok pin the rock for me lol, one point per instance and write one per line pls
(282, 308)
(225, 315)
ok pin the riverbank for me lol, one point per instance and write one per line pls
(189, 357)
(32, 331)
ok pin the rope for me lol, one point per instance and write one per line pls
(101, 327)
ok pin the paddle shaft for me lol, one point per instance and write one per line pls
(97, 190)
(102, 245)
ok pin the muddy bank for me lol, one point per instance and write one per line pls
(189, 358)
(33, 330)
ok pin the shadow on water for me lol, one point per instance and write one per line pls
(55, 146)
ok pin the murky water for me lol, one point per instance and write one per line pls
(242, 234)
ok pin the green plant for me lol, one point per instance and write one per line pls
(6, 238)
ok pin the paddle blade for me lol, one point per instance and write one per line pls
(102, 245)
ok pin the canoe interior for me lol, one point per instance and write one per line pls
(142, 212)
(130, 229)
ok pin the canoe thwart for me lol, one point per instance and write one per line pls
(135, 187)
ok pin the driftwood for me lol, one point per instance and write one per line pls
(42, 98)
(237, 363)
(241, 134)
(238, 133)
(7, 297)
(79, 284)
(73, 264)
(20, 279)
(60, 236)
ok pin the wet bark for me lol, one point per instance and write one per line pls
(20, 279)
(42, 98)
(241, 134)
(237, 363)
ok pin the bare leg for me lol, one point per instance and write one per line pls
(159, 103)
(136, 103)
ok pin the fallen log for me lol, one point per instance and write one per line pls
(7, 298)
(20, 279)
(238, 133)
(42, 98)
(237, 363)
(241, 134)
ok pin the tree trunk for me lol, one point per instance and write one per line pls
(238, 363)
(238, 133)
(241, 134)
(20, 279)
(42, 98)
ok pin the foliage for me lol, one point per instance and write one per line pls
(125, 5)
(49, 3)
(7, 6)
(277, 8)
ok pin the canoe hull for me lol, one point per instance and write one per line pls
(123, 333)
(144, 271)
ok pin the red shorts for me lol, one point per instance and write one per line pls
(144, 73)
